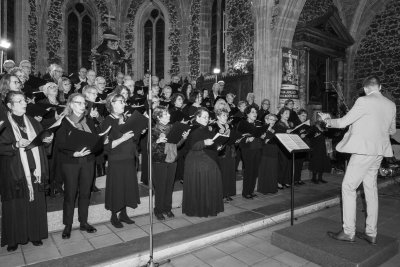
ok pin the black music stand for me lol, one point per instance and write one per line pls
(293, 144)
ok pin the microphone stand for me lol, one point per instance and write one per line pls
(151, 262)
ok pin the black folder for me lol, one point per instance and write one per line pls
(260, 130)
(38, 140)
(137, 122)
(175, 134)
(94, 142)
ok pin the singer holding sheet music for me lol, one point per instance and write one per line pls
(164, 163)
(22, 177)
(250, 148)
(202, 189)
(77, 166)
(121, 185)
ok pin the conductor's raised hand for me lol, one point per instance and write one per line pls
(84, 152)
(208, 142)
(126, 136)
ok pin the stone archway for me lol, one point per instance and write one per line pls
(140, 19)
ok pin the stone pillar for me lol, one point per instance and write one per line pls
(303, 77)
(263, 61)
(21, 30)
(205, 36)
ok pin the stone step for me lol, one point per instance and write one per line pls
(309, 240)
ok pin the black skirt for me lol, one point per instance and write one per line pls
(121, 185)
(202, 189)
(269, 169)
(24, 221)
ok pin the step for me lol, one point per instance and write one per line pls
(309, 240)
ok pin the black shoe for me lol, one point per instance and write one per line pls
(301, 183)
(37, 243)
(253, 195)
(181, 181)
(88, 228)
(170, 214)
(287, 185)
(160, 217)
(66, 234)
(229, 198)
(322, 181)
(125, 218)
(12, 248)
(315, 181)
(115, 222)
(95, 189)
(369, 239)
(341, 236)
(247, 196)
(280, 187)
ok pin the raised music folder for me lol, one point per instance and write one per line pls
(292, 142)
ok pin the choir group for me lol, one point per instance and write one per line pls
(59, 133)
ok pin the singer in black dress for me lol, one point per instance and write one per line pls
(24, 216)
(226, 156)
(269, 164)
(251, 152)
(121, 184)
(202, 189)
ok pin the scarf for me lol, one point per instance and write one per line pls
(79, 122)
(170, 149)
(35, 151)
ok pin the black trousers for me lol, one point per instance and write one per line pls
(251, 160)
(77, 176)
(163, 181)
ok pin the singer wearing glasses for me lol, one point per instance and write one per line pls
(121, 184)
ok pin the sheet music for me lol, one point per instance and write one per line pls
(307, 122)
(292, 142)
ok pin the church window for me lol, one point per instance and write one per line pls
(218, 35)
(154, 35)
(79, 37)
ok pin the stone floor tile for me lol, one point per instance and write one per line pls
(105, 240)
(209, 254)
(268, 249)
(195, 220)
(263, 233)
(290, 259)
(248, 240)
(47, 243)
(102, 229)
(143, 220)
(229, 246)
(12, 259)
(4, 252)
(392, 262)
(228, 261)
(187, 260)
(131, 234)
(311, 264)
(157, 228)
(126, 227)
(269, 263)
(74, 247)
(177, 223)
(76, 235)
(248, 256)
(40, 255)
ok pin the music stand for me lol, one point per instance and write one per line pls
(293, 144)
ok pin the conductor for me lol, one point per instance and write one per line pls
(372, 119)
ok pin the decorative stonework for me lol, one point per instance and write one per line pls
(194, 40)
(174, 33)
(314, 9)
(379, 51)
(275, 14)
(32, 32)
(55, 25)
(240, 51)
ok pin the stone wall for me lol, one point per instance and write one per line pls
(379, 51)
(314, 9)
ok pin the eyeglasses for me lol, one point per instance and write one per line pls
(79, 103)
(123, 102)
(16, 82)
(20, 101)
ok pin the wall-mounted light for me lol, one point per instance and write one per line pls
(5, 44)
